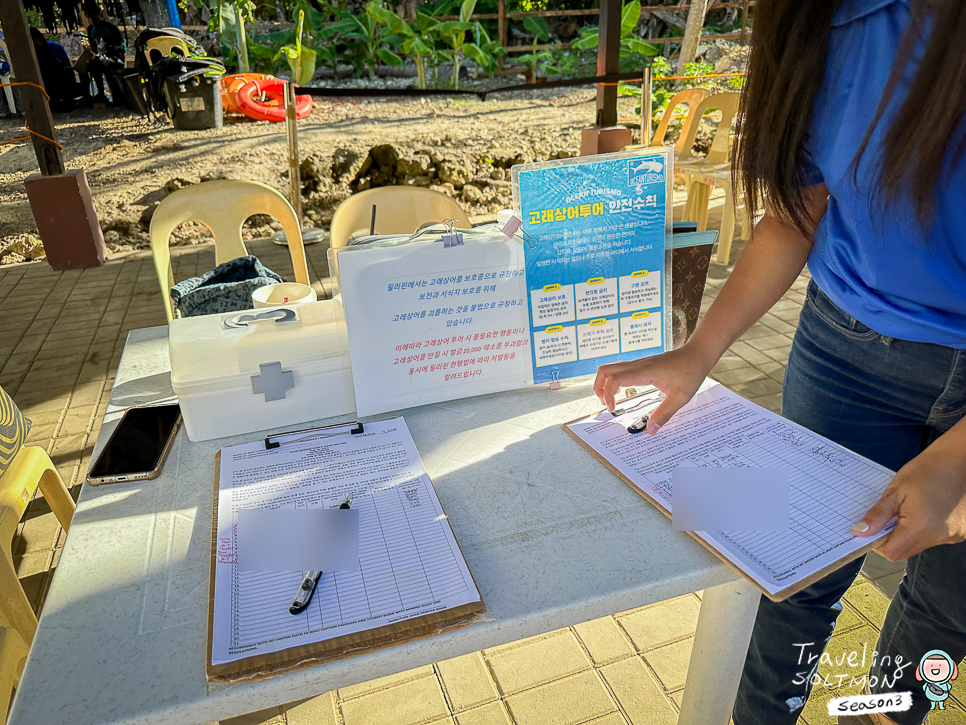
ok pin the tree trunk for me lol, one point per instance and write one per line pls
(280, 12)
(692, 33)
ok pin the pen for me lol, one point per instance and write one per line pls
(638, 427)
(307, 588)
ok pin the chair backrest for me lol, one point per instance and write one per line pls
(158, 48)
(399, 210)
(223, 206)
(720, 151)
(690, 97)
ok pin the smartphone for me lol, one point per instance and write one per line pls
(138, 446)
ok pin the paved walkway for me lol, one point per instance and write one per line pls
(61, 336)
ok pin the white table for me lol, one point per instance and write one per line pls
(551, 536)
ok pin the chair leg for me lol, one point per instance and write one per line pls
(727, 231)
(697, 206)
(21, 614)
(56, 495)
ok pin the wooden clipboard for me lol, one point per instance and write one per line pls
(260, 667)
(777, 596)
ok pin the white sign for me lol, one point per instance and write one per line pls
(428, 323)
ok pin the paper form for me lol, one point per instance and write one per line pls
(830, 487)
(410, 562)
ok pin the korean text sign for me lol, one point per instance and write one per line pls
(596, 231)
(428, 323)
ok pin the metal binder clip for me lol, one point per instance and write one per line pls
(555, 380)
(512, 226)
(531, 241)
(452, 238)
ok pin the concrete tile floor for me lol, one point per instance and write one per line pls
(61, 336)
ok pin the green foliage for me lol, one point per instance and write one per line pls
(301, 60)
(635, 52)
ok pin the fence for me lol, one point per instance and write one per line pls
(502, 17)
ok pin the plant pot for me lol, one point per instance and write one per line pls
(534, 79)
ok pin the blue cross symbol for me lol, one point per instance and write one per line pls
(273, 381)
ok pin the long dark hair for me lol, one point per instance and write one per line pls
(785, 70)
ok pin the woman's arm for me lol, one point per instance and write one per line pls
(770, 262)
(928, 495)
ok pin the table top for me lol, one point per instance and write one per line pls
(551, 537)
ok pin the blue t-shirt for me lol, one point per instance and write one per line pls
(872, 261)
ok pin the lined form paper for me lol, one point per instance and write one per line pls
(830, 487)
(410, 562)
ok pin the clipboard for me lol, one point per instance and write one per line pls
(775, 597)
(261, 667)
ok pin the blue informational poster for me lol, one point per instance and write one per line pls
(597, 233)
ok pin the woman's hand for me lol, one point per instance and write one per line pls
(928, 495)
(678, 374)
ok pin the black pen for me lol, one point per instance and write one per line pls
(307, 588)
(638, 427)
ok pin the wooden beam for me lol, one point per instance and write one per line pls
(608, 60)
(23, 60)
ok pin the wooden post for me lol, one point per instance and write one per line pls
(501, 27)
(744, 24)
(608, 60)
(35, 107)
(606, 136)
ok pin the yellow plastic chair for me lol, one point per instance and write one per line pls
(399, 210)
(30, 468)
(158, 48)
(714, 169)
(223, 206)
(690, 97)
(13, 654)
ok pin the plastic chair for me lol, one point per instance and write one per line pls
(399, 210)
(31, 468)
(5, 78)
(714, 169)
(223, 206)
(13, 654)
(691, 97)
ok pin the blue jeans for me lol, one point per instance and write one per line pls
(885, 399)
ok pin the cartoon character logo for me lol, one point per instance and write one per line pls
(644, 171)
(936, 671)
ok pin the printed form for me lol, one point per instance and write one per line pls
(830, 487)
(411, 564)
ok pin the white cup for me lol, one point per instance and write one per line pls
(284, 293)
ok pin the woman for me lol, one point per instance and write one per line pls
(853, 134)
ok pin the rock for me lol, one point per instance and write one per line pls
(498, 174)
(444, 188)
(418, 181)
(213, 176)
(152, 197)
(364, 184)
(456, 171)
(472, 194)
(112, 237)
(348, 164)
(179, 183)
(416, 164)
(315, 171)
(384, 155)
(145, 220)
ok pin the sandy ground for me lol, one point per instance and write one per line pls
(128, 158)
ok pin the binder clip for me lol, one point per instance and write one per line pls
(512, 226)
(452, 238)
(555, 380)
(531, 241)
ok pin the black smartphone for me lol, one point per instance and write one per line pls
(138, 446)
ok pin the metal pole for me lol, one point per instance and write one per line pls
(646, 108)
(293, 151)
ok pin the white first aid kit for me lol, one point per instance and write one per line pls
(241, 372)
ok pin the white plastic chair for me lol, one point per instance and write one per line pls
(222, 205)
